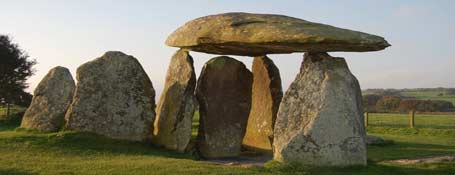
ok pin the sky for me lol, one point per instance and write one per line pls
(71, 32)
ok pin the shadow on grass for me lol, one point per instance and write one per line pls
(402, 150)
(11, 123)
(371, 169)
(14, 172)
(81, 143)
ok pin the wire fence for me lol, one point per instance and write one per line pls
(411, 120)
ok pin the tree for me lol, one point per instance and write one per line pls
(451, 91)
(409, 105)
(15, 69)
(388, 104)
(369, 102)
(425, 105)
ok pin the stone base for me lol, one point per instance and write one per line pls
(224, 95)
(265, 100)
(320, 120)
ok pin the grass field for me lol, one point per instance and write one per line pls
(420, 120)
(28, 152)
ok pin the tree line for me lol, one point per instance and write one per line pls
(386, 103)
(15, 68)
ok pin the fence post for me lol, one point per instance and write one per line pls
(412, 113)
(366, 119)
(7, 110)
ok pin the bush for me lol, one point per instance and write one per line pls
(425, 105)
(369, 102)
(388, 104)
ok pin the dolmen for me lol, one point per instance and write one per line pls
(318, 121)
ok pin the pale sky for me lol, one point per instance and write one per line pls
(71, 32)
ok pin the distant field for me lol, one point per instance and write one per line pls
(420, 120)
(430, 95)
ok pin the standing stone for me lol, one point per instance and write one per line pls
(172, 127)
(51, 99)
(320, 119)
(224, 95)
(266, 98)
(114, 97)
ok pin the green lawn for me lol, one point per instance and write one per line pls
(420, 120)
(28, 152)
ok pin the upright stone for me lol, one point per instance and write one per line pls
(51, 99)
(114, 97)
(224, 95)
(266, 98)
(177, 104)
(320, 119)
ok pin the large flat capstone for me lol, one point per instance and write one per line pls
(320, 120)
(114, 97)
(260, 34)
(224, 95)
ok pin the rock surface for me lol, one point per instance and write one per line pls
(320, 120)
(266, 98)
(175, 110)
(114, 97)
(51, 99)
(224, 95)
(260, 34)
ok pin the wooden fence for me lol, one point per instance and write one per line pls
(411, 120)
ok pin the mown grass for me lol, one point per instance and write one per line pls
(30, 152)
(420, 120)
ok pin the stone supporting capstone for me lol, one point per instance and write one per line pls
(320, 121)
(265, 100)
(175, 110)
(224, 95)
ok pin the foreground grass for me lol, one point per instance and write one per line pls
(28, 152)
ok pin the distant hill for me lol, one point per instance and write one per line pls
(446, 94)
